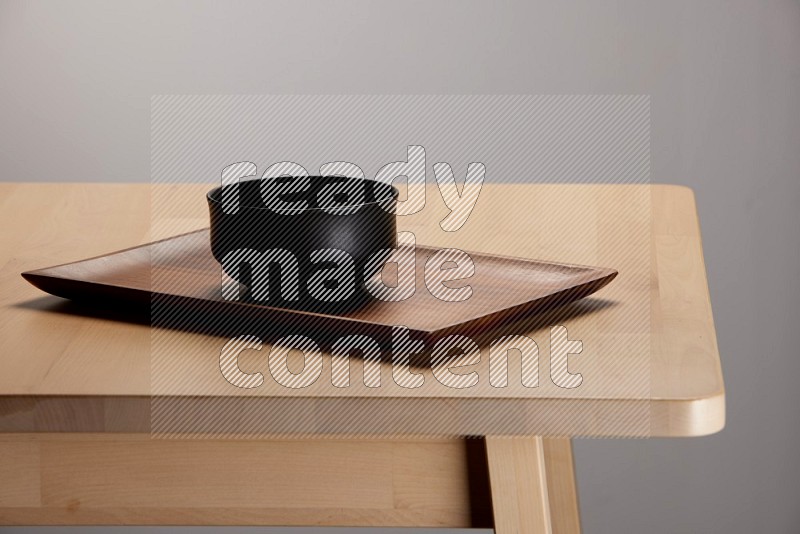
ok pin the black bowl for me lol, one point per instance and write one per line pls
(288, 239)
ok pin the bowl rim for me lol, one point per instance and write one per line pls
(218, 189)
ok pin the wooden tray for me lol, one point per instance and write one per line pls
(179, 274)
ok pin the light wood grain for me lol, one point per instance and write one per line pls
(517, 470)
(533, 485)
(72, 369)
(129, 479)
(562, 489)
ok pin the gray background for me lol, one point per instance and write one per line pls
(724, 77)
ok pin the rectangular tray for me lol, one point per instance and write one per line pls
(180, 272)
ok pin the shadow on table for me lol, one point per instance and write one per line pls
(204, 321)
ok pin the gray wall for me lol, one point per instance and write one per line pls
(75, 86)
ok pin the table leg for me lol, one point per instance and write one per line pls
(532, 483)
(561, 485)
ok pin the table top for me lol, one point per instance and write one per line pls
(649, 362)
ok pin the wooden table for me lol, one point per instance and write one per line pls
(75, 386)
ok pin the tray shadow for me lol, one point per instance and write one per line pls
(188, 319)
